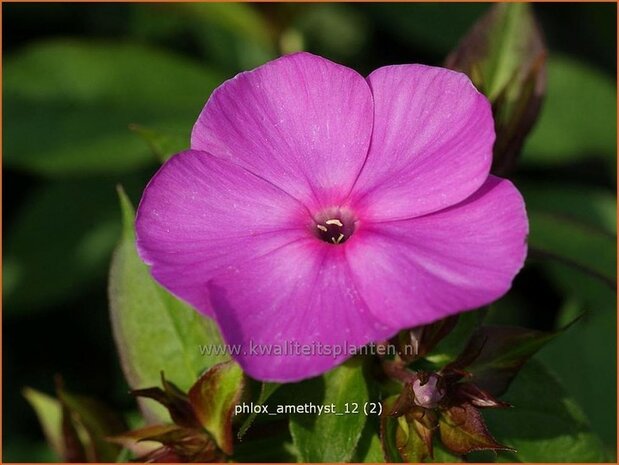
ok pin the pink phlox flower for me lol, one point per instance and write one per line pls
(319, 210)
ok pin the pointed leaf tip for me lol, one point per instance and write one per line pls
(463, 430)
(495, 355)
(49, 414)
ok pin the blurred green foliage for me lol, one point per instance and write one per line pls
(563, 134)
(81, 96)
(76, 76)
(546, 421)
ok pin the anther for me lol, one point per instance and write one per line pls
(334, 227)
(335, 221)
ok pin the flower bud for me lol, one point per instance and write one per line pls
(505, 57)
(428, 392)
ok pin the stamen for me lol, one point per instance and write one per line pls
(335, 221)
(335, 226)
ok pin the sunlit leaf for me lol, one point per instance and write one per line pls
(49, 413)
(153, 330)
(412, 445)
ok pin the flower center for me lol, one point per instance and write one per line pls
(335, 226)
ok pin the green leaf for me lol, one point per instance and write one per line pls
(49, 413)
(590, 346)
(177, 444)
(389, 430)
(409, 442)
(417, 342)
(213, 398)
(78, 98)
(93, 423)
(495, 354)
(174, 400)
(389, 426)
(578, 118)
(153, 330)
(266, 390)
(79, 220)
(272, 448)
(463, 430)
(163, 144)
(559, 238)
(449, 348)
(369, 449)
(545, 424)
(330, 437)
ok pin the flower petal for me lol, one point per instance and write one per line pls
(416, 271)
(293, 313)
(431, 144)
(200, 214)
(302, 122)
